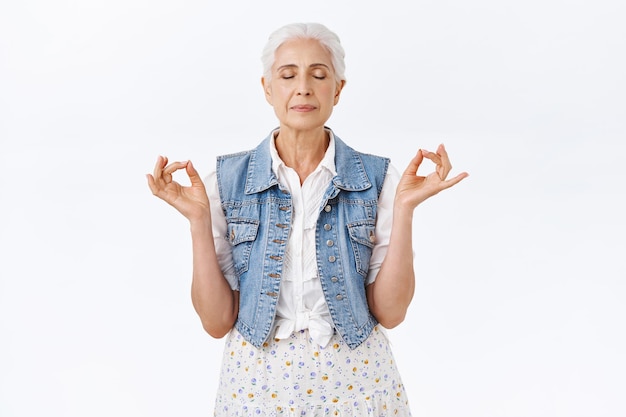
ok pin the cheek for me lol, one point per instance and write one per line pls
(281, 94)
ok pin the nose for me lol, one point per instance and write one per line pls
(303, 88)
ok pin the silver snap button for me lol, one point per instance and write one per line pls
(329, 243)
(327, 226)
(327, 208)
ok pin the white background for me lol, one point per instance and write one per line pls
(519, 308)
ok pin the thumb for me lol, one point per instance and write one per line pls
(414, 164)
(194, 177)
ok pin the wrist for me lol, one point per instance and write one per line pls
(403, 209)
(200, 223)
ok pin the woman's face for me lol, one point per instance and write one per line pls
(303, 89)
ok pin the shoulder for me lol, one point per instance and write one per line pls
(343, 147)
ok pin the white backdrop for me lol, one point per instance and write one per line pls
(519, 308)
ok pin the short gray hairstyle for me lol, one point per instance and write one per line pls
(316, 31)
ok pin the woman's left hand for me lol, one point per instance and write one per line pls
(413, 189)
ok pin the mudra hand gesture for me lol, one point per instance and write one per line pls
(413, 189)
(192, 201)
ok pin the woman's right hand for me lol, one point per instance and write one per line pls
(192, 201)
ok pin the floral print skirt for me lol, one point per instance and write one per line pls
(296, 377)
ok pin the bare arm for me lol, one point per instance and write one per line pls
(213, 299)
(391, 293)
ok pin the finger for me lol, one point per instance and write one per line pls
(445, 159)
(152, 184)
(444, 167)
(415, 163)
(432, 156)
(453, 181)
(194, 177)
(441, 150)
(171, 168)
(158, 167)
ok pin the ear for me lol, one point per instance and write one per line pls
(338, 90)
(267, 90)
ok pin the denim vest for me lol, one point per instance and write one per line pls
(258, 214)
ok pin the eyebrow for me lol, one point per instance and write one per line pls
(310, 66)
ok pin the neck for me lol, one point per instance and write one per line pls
(302, 151)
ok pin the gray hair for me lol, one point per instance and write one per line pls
(316, 31)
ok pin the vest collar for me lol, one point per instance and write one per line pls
(350, 176)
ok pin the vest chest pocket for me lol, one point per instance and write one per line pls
(241, 234)
(362, 238)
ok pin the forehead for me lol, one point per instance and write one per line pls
(301, 52)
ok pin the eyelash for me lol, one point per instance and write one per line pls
(321, 77)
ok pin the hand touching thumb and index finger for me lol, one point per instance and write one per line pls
(191, 201)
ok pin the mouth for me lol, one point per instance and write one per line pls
(303, 108)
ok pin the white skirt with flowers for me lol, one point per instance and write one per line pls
(296, 377)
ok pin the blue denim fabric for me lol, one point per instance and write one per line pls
(258, 214)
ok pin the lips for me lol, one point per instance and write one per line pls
(303, 107)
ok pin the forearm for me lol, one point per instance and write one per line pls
(392, 291)
(213, 299)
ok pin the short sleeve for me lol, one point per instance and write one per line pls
(384, 220)
(218, 223)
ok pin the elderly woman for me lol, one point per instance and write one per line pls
(302, 248)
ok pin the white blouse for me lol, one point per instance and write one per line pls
(301, 303)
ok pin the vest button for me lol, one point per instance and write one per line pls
(331, 258)
(339, 297)
(334, 279)
(327, 208)
(329, 243)
(327, 226)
